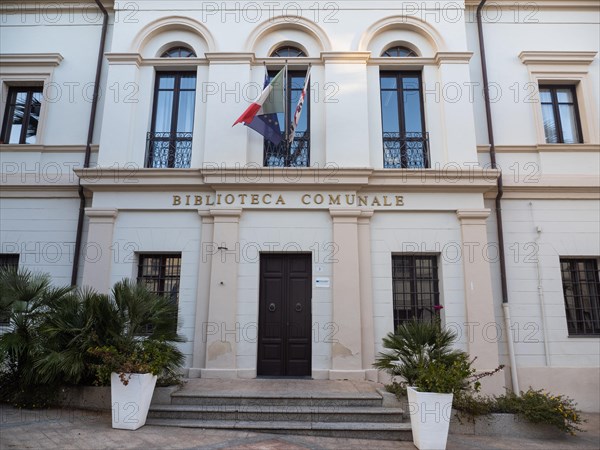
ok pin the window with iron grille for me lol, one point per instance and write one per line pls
(297, 152)
(169, 144)
(415, 287)
(405, 141)
(581, 290)
(8, 260)
(22, 115)
(160, 273)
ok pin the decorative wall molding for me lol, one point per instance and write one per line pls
(27, 148)
(30, 59)
(557, 58)
(542, 148)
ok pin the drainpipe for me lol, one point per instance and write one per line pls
(88, 146)
(490, 128)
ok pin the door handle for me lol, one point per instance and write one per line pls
(298, 307)
(272, 307)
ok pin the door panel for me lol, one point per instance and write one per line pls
(284, 328)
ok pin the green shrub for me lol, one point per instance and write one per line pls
(535, 406)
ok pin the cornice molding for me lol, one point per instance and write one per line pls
(124, 58)
(345, 57)
(453, 58)
(542, 148)
(27, 148)
(30, 59)
(563, 4)
(230, 57)
(428, 180)
(584, 58)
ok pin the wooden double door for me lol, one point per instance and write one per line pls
(285, 318)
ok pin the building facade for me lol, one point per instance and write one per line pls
(296, 260)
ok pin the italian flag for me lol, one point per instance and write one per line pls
(261, 115)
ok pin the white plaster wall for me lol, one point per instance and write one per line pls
(42, 231)
(76, 36)
(154, 232)
(505, 38)
(428, 232)
(294, 231)
(568, 228)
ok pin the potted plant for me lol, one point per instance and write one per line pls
(143, 350)
(421, 354)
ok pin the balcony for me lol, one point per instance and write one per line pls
(284, 155)
(168, 150)
(406, 151)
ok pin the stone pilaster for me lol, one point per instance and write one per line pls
(97, 253)
(346, 351)
(481, 324)
(221, 330)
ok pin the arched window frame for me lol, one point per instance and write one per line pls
(183, 52)
(299, 52)
(398, 50)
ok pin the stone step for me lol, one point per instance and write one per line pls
(278, 413)
(359, 430)
(187, 397)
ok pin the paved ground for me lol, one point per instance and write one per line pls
(74, 429)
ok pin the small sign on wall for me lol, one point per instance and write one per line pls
(322, 282)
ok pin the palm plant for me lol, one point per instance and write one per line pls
(24, 299)
(413, 346)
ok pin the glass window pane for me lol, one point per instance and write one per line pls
(34, 117)
(410, 83)
(389, 111)
(188, 82)
(564, 95)
(166, 82)
(388, 82)
(549, 124)
(568, 122)
(412, 111)
(185, 116)
(545, 96)
(164, 111)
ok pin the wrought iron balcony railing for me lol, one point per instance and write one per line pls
(169, 150)
(406, 151)
(285, 155)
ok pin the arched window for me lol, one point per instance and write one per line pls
(288, 51)
(399, 52)
(296, 151)
(179, 52)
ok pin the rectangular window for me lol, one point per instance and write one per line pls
(415, 287)
(8, 260)
(160, 274)
(296, 154)
(22, 115)
(170, 141)
(581, 290)
(560, 115)
(405, 142)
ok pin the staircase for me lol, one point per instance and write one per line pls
(306, 407)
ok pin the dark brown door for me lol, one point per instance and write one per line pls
(284, 319)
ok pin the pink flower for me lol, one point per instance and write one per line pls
(438, 307)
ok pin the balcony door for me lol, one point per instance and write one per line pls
(170, 140)
(405, 143)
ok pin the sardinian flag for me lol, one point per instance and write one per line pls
(298, 110)
(261, 115)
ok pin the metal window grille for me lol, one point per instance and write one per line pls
(415, 287)
(160, 273)
(581, 289)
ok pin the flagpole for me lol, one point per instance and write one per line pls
(286, 112)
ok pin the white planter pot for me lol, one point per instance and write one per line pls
(430, 414)
(130, 403)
